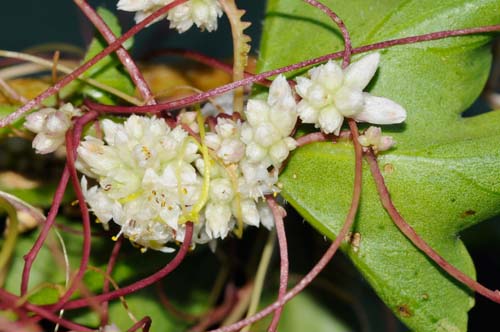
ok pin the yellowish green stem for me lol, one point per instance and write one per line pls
(11, 237)
(260, 277)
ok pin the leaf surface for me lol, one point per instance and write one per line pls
(442, 175)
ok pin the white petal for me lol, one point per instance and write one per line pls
(255, 152)
(250, 212)
(379, 110)
(284, 120)
(44, 144)
(349, 101)
(109, 128)
(221, 190)
(307, 113)
(360, 73)
(218, 217)
(329, 75)
(317, 96)
(69, 110)
(303, 85)
(266, 215)
(257, 112)
(330, 120)
(226, 128)
(212, 140)
(279, 90)
(36, 121)
(231, 151)
(278, 152)
(266, 135)
(290, 143)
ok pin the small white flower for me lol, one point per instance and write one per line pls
(373, 137)
(257, 181)
(226, 141)
(330, 94)
(50, 125)
(150, 177)
(146, 179)
(270, 124)
(202, 13)
(218, 211)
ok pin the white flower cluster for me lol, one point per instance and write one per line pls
(50, 125)
(152, 179)
(202, 13)
(331, 93)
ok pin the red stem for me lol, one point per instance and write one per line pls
(309, 277)
(144, 323)
(180, 103)
(122, 53)
(279, 214)
(56, 203)
(30, 257)
(410, 233)
(342, 27)
(72, 137)
(312, 138)
(77, 72)
(109, 269)
(172, 265)
(13, 301)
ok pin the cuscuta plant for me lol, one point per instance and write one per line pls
(73, 136)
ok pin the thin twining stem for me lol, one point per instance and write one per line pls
(410, 233)
(343, 29)
(190, 100)
(172, 265)
(325, 259)
(12, 301)
(122, 53)
(75, 282)
(109, 269)
(279, 214)
(144, 324)
(30, 257)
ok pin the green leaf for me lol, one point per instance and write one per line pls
(442, 175)
(109, 70)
